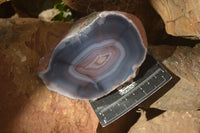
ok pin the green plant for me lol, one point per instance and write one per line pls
(65, 12)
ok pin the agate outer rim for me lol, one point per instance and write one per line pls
(139, 28)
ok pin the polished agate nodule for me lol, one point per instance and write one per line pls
(100, 52)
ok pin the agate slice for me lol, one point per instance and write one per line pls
(101, 52)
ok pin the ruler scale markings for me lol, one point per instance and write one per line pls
(117, 101)
(132, 90)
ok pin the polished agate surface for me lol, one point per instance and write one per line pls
(96, 59)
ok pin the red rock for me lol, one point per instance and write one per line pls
(168, 122)
(184, 63)
(26, 105)
(181, 17)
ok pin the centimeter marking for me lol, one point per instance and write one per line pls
(109, 109)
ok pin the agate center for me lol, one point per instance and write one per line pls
(98, 61)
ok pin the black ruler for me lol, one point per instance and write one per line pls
(152, 77)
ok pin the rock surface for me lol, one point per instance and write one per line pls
(88, 6)
(26, 105)
(168, 122)
(184, 62)
(32, 8)
(6, 9)
(181, 17)
(2, 1)
(48, 14)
